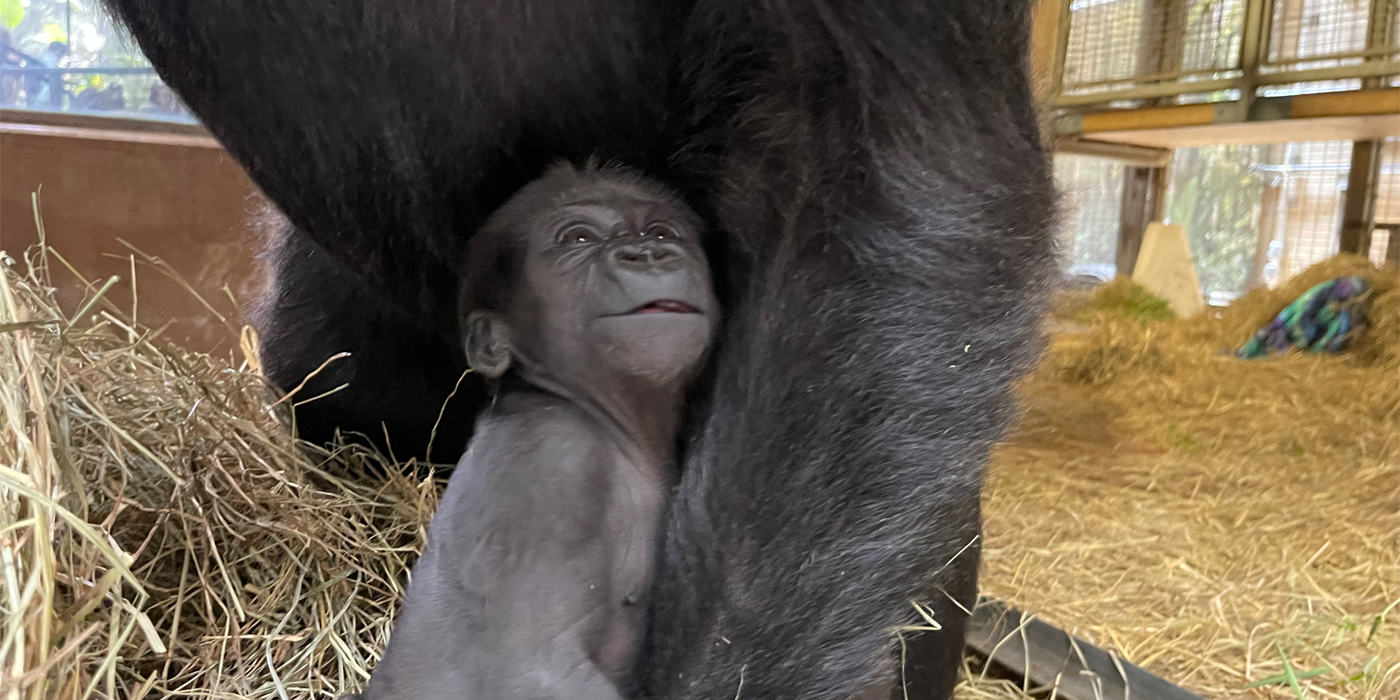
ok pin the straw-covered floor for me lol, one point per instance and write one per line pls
(1208, 517)
(161, 535)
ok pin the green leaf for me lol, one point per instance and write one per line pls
(1289, 674)
(11, 13)
(1280, 679)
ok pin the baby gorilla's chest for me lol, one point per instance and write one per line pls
(635, 500)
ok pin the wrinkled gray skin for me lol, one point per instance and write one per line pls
(540, 559)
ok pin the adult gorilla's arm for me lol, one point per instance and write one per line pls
(386, 131)
(884, 175)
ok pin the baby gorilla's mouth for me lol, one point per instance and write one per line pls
(666, 306)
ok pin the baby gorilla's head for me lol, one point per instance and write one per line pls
(593, 274)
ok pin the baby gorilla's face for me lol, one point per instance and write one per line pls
(613, 279)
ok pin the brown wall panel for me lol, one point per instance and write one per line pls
(179, 198)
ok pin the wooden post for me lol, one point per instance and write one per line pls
(1253, 47)
(1359, 203)
(1139, 208)
(1045, 35)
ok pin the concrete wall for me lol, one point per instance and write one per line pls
(178, 197)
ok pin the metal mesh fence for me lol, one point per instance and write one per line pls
(1388, 188)
(1255, 215)
(1258, 214)
(1103, 41)
(1318, 33)
(1191, 50)
(1315, 177)
(1091, 192)
(1387, 199)
(1116, 41)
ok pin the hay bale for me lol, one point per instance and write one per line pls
(164, 535)
(1119, 297)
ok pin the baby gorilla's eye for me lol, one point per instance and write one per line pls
(579, 233)
(663, 231)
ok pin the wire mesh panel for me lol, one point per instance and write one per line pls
(1256, 215)
(1315, 178)
(1190, 51)
(1215, 195)
(1117, 43)
(1387, 198)
(1208, 33)
(1318, 33)
(1388, 187)
(1103, 41)
(1323, 34)
(1092, 199)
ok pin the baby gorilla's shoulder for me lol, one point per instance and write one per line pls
(554, 442)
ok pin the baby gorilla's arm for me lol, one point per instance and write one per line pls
(510, 599)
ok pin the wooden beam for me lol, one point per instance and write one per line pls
(1150, 118)
(1248, 133)
(1361, 115)
(146, 137)
(1127, 154)
(1134, 215)
(1048, 657)
(1357, 103)
(103, 123)
(1143, 92)
(1344, 104)
(1044, 47)
(1359, 202)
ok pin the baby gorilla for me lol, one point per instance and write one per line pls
(589, 303)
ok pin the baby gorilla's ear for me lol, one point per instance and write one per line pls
(488, 344)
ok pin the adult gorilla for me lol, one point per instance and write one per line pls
(875, 168)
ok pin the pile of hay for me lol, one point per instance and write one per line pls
(162, 535)
(1209, 517)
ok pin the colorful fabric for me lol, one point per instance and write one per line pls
(1323, 319)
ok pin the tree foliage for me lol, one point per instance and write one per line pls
(1215, 195)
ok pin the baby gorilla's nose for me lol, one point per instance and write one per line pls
(647, 256)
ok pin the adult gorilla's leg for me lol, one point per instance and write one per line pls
(881, 169)
(386, 131)
(318, 308)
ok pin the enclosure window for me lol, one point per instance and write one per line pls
(1215, 195)
(1112, 42)
(1318, 33)
(1103, 41)
(70, 56)
(1092, 200)
(1258, 214)
(1308, 34)
(1314, 179)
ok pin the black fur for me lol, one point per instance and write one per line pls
(876, 168)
